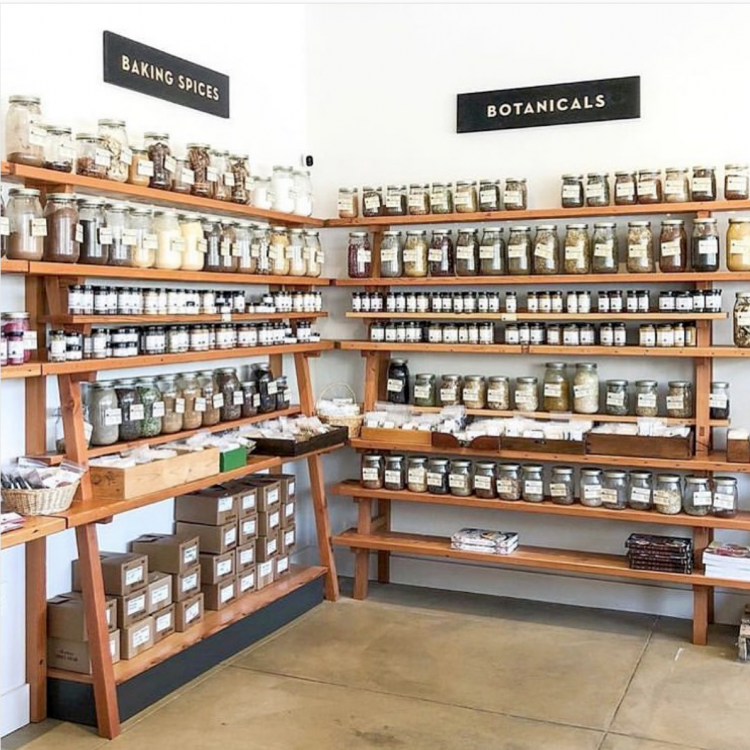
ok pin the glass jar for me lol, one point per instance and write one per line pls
(416, 474)
(174, 404)
(705, 245)
(312, 253)
(131, 410)
(61, 245)
(441, 198)
(359, 256)
(27, 226)
(673, 243)
(605, 255)
(398, 382)
(394, 474)
(59, 151)
(571, 194)
(250, 399)
(104, 414)
(450, 390)
(295, 253)
(646, 398)
(278, 251)
(238, 168)
(261, 196)
(92, 158)
(490, 192)
(485, 480)
(625, 189)
(738, 244)
(561, 485)
(725, 499)
(498, 393)
(526, 396)
(597, 189)
(640, 247)
(210, 401)
(649, 186)
(465, 198)
(55, 348)
(676, 185)
(736, 182)
(668, 494)
(348, 203)
(719, 400)
(556, 390)
(509, 485)
(704, 184)
(460, 480)
(97, 239)
(191, 394)
(680, 399)
(212, 261)
(474, 392)
(169, 240)
(391, 255)
(419, 199)
(617, 402)
(372, 201)
(515, 196)
(546, 250)
(229, 386)
(141, 168)
(396, 200)
(24, 133)
(467, 252)
(415, 254)
(519, 251)
(199, 160)
(142, 239)
(639, 495)
(492, 252)
(577, 249)
(160, 155)
(193, 243)
(697, 498)
(117, 218)
(586, 388)
(440, 256)
(424, 389)
(614, 490)
(115, 140)
(219, 175)
(183, 177)
(437, 476)
(591, 487)
(533, 484)
(371, 471)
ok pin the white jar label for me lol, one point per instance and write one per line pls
(188, 176)
(145, 168)
(5, 227)
(465, 252)
(604, 249)
(170, 164)
(638, 250)
(218, 400)
(482, 482)
(571, 338)
(647, 400)
(596, 190)
(718, 401)
(591, 491)
(38, 227)
(37, 135)
(434, 479)
(393, 201)
(136, 413)
(487, 252)
(662, 497)
(200, 404)
(533, 487)
(582, 391)
(558, 489)
(506, 486)
(238, 398)
(389, 255)
(112, 417)
(625, 189)
(647, 338)
(739, 247)
(229, 179)
(422, 391)
(545, 250)
(102, 158)
(457, 481)
(416, 201)
(411, 255)
(435, 255)
(647, 188)
(417, 476)
(137, 604)
(363, 255)
(723, 502)
(675, 402)
(395, 385)
(640, 495)
(616, 399)
(671, 248)
(212, 174)
(372, 203)
(512, 197)
(701, 498)
(742, 318)
(574, 252)
(105, 236)
(702, 185)
(470, 395)
(157, 409)
(126, 155)
(708, 246)
(496, 394)
(736, 183)
(448, 394)
(571, 191)
(609, 496)
(665, 338)
(674, 187)
(517, 251)
(129, 237)
(392, 477)
(553, 390)
(150, 241)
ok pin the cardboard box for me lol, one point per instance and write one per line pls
(188, 613)
(288, 514)
(264, 575)
(122, 572)
(269, 523)
(269, 493)
(213, 506)
(288, 484)
(131, 607)
(246, 581)
(247, 501)
(245, 556)
(74, 655)
(66, 619)
(159, 591)
(187, 584)
(169, 553)
(287, 540)
(217, 568)
(214, 539)
(266, 547)
(281, 566)
(233, 459)
(247, 529)
(164, 623)
(219, 595)
(137, 638)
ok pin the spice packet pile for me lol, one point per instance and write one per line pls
(27, 474)
(486, 541)
(645, 427)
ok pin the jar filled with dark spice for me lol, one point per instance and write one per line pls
(639, 496)
(577, 249)
(396, 200)
(160, 156)
(705, 245)
(625, 189)
(229, 386)
(440, 256)
(97, 239)
(490, 195)
(467, 252)
(519, 251)
(597, 189)
(199, 160)
(673, 245)
(719, 400)
(515, 195)
(372, 201)
(437, 476)
(441, 198)
(359, 256)
(703, 187)
(640, 247)
(62, 243)
(649, 186)
(394, 475)
(485, 480)
(250, 399)
(736, 182)
(92, 157)
(725, 498)
(492, 252)
(59, 151)
(546, 250)
(676, 185)
(572, 191)
(398, 382)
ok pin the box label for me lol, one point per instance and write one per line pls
(247, 582)
(160, 595)
(230, 536)
(190, 582)
(224, 568)
(265, 569)
(226, 593)
(274, 519)
(247, 556)
(271, 547)
(190, 554)
(282, 564)
(248, 527)
(141, 636)
(273, 496)
(225, 504)
(289, 538)
(163, 622)
(248, 501)
(192, 612)
(134, 575)
(136, 605)
(288, 510)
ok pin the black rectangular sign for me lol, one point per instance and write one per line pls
(138, 67)
(555, 104)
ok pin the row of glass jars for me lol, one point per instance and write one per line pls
(130, 409)
(647, 186)
(615, 490)
(420, 199)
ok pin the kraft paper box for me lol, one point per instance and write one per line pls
(159, 591)
(214, 539)
(269, 523)
(248, 529)
(188, 613)
(137, 638)
(269, 493)
(288, 514)
(217, 596)
(264, 575)
(247, 499)
(287, 540)
(74, 655)
(288, 484)
(281, 566)
(245, 556)
(122, 572)
(131, 607)
(187, 584)
(164, 623)
(168, 553)
(66, 619)
(246, 581)
(214, 506)
(217, 568)
(266, 547)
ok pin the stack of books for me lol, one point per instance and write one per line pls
(722, 560)
(486, 541)
(669, 554)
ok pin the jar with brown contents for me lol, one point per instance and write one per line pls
(680, 399)
(640, 247)
(736, 187)
(577, 249)
(546, 250)
(625, 189)
(515, 195)
(466, 201)
(556, 389)
(649, 186)
(93, 159)
(467, 252)
(210, 401)
(160, 156)
(605, 256)
(240, 175)
(199, 160)
(673, 243)
(191, 392)
(372, 201)
(62, 243)
(676, 185)
(141, 168)
(174, 404)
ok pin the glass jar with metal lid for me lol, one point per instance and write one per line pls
(416, 473)
(188, 384)
(240, 172)
(424, 389)
(348, 203)
(450, 390)
(719, 400)
(398, 382)
(419, 199)
(546, 250)
(59, 151)
(160, 155)
(649, 186)
(372, 201)
(526, 396)
(591, 487)
(561, 485)
(572, 192)
(498, 393)
(467, 252)
(614, 490)
(680, 399)
(556, 391)
(391, 255)
(475, 392)
(625, 189)
(174, 404)
(703, 186)
(617, 401)
(441, 198)
(460, 478)
(415, 253)
(210, 400)
(485, 480)
(738, 244)
(250, 399)
(577, 249)
(242, 249)
(92, 157)
(668, 494)
(372, 469)
(640, 247)
(27, 226)
(515, 195)
(278, 254)
(586, 388)
(437, 476)
(141, 168)
(440, 256)
(639, 494)
(96, 240)
(605, 255)
(24, 133)
(509, 486)
(492, 252)
(394, 473)
(676, 185)
(182, 177)
(144, 241)
(697, 497)
(597, 189)
(646, 398)
(359, 255)
(673, 245)
(131, 409)
(396, 200)
(153, 406)
(115, 139)
(228, 385)
(105, 415)
(62, 243)
(533, 483)
(519, 251)
(117, 218)
(312, 253)
(199, 161)
(736, 186)
(169, 240)
(465, 197)
(295, 253)
(725, 499)
(490, 192)
(705, 245)
(221, 191)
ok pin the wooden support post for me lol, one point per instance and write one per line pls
(36, 388)
(703, 378)
(362, 556)
(372, 379)
(384, 557)
(72, 417)
(700, 615)
(36, 627)
(94, 606)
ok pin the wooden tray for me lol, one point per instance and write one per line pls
(396, 438)
(542, 445)
(639, 445)
(274, 447)
(449, 442)
(738, 451)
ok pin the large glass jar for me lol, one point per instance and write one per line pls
(396, 200)
(639, 495)
(533, 483)
(230, 388)
(104, 414)
(183, 178)
(437, 476)
(115, 139)
(24, 133)
(419, 199)
(212, 238)
(169, 240)
(519, 251)
(673, 246)
(605, 255)
(160, 156)
(240, 173)
(199, 160)
(571, 194)
(490, 195)
(668, 494)
(263, 381)
(221, 177)
(303, 192)
(546, 250)
(96, 240)
(262, 196)
(556, 390)
(474, 394)
(144, 242)
(509, 485)
(174, 404)
(736, 187)
(591, 487)
(297, 263)
(441, 198)
(61, 244)
(738, 244)
(498, 393)
(278, 251)
(59, 151)
(646, 404)
(242, 249)
(229, 261)
(312, 253)
(372, 201)
(614, 490)
(282, 186)
(485, 480)
(4, 229)
(131, 410)
(676, 185)
(719, 400)
(359, 256)
(371, 471)
(526, 396)
(617, 402)
(397, 387)
(424, 389)
(193, 244)
(697, 498)
(440, 256)
(117, 216)
(725, 499)
(597, 189)
(415, 254)
(467, 252)
(465, 198)
(27, 226)
(680, 399)
(705, 245)
(153, 406)
(450, 390)
(260, 249)
(561, 485)
(191, 392)
(416, 474)
(577, 249)
(640, 247)
(625, 189)
(394, 474)
(649, 186)
(586, 388)
(492, 252)
(210, 401)
(703, 187)
(515, 195)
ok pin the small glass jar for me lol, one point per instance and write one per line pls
(450, 390)
(485, 480)
(117, 217)
(719, 400)
(571, 194)
(59, 151)
(725, 499)
(676, 185)
(183, 178)
(705, 245)
(605, 254)
(220, 176)
(415, 254)
(92, 157)
(348, 203)
(467, 252)
(424, 389)
(372, 471)
(115, 139)
(104, 413)
(586, 388)
(546, 250)
(398, 382)
(465, 197)
(250, 399)
(640, 247)
(229, 386)
(131, 409)
(639, 494)
(460, 480)
(614, 490)
(55, 348)
(591, 487)
(359, 256)
(556, 391)
(519, 251)
(646, 398)
(526, 396)
(680, 399)
(597, 189)
(738, 244)
(419, 199)
(160, 156)
(441, 198)
(437, 476)
(509, 486)
(649, 186)
(153, 406)
(391, 255)
(372, 201)
(703, 186)
(396, 200)
(625, 189)
(174, 404)
(313, 254)
(515, 195)
(210, 401)
(474, 392)
(143, 241)
(27, 226)
(141, 168)
(169, 240)
(278, 251)
(62, 244)
(561, 485)
(492, 252)
(668, 494)
(577, 249)
(394, 473)
(617, 402)
(238, 168)
(25, 135)
(191, 394)
(533, 483)
(297, 263)
(673, 246)
(441, 255)
(697, 497)
(96, 240)
(490, 192)
(416, 474)
(498, 393)
(736, 182)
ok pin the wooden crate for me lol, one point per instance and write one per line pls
(449, 442)
(396, 438)
(542, 445)
(640, 445)
(738, 451)
(123, 484)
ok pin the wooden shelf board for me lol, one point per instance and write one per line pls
(28, 370)
(81, 270)
(34, 527)
(213, 623)
(97, 186)
(4, 168)
(544, 558)
(148, 320)
(534, 214)
(13, 266)
(715, 462)
(512, 317)
(353, 488)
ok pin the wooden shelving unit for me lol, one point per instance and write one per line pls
(33, 529)
(27, 370)
(523, 315)
(149, 320)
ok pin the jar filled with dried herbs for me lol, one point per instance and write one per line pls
(475, 392)
(526, 396)
(533, 483)
(415, 254)
(561, 485)
(597, 189)
(577, 249)
(571, 194)
(649, 186)
(450, 390)
(153, 406)
(391, 255)
(467, 252)
(676, 185)
(614, 490)
(498, 393)
(640, 247)
(639, 496)
(605, 256)
(697, 498)
(515, 195)
(396, 200)
(703, 187)
(519, 251)
(465, 199)
(741, 317)
(424, 389)
(490, 195)
(673, 246)
(509, 482)
(372, 201)
(736, 179)
(441, 198)
(625, 189)
(617, 402)
(492, 252)
(546, 250)
(705, 245)
(646, 398)
(419, 199)
(440, 256)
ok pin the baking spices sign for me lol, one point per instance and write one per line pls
(148, 70)
(555, 104)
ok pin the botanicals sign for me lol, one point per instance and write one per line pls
(556, 104)
(136, 66)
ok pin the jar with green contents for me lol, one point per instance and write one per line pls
(441, 198)
(697, 498)
(467, 252)
(188, 384)
(437, 476)
(577, 249)
(104, 414)
(597, 189)
(391, 255)
(533, 484)
(498, 393)
(639, 495)
(440, 256)
(229, 386)
(546, 250)
(617, 402)
(640, 247)
(556, 390)
(492, 252)
(174, 404)
(668, 494)
(519, 251)
(424, 389)
(572, 191)
(475, 392)
(725, 499)
(485, 480)
(394, 473)
(509, 482)
(210, 401)
(605, 256)
(450, 390)
(561, 485)
(415, 254)
(129, 403)
(591, 487)
(614, 490)
(153, 406)
(680, 399)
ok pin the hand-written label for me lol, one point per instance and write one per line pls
(553, 390)
(136, 604)
(675, 402)
(38, 227)
(545, 250)
(395, 385)
(190, 582)
(640, 495)
(134, 575)
(701, 498)
(145, 168)
(457, 481)
(136, 413)
(159, 594)
(224, 567)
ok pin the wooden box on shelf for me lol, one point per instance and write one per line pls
(738, 451)
(394, 437)
(641, 445)
(122, 484)
(274, 447)
(543, 445)
(450, 442)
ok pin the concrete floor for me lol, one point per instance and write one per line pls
(417, 669)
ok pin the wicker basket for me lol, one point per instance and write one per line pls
(354, 423)
(39, 502)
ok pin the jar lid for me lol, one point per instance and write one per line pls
(679, 384)
(640, 474)
(710, 220)
(498, 379)
(556, 365)
(719, 384)
(725, 481)
(419, 185)
(15, 315)
(667, 478)
(614, 474)
(107, 123)
(710, 169)
(439, 461)
(441, 184)
(460, 463)
(597, 174)
(532, 468)
(562, 469)
(416, 231)
(591, 472)
(165, 212)
(604, 225)
(58, 129)
(618, 383)
(203, 146)
(546, 228)
(24, 99)
(473, 377)
(24, 192)
(508, 467)
(62, 197)
(572, 177)
(190, 217)
(736, 166)
(673, 222)
(91, 202)
(371, 189)
(353, 234)
(695, 480)
(396, 187)
(648, 171)
(89, 137)
(417, 459)
(586, 365)
(140, 210)
(465, 183)
(99, 385)
(493, 229)
(577, 226)
(155, 135)
(520, 228)
(240, 157)
(675, 169)
(625, 173)
(424, 375)
(645, 383)
(281, 168)
(527, 380)
(307, 232)
(440, 231)
(515, 179)
(399, 362)
(451, 377)
(117, 206)
(639, 224)
(739, 220)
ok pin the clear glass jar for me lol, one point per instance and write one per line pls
(676, 185)
(220, 176)
(680, 399)
(303, 192)
(415, 254)
(490, 195)
(697, 497)
(533, 483)
(441, 198)
(278, 252)
(191, 393)
(591, 487)
(498, 393)
(673, 244)
(474, 394)
(24, 133)
(617, 400)
(97, 240)
(141, 168)
(26, 225)
(199, 160)
(649, 186)
(117, 216)
(169, 240)
(228, 385)
(348, 203)
(460, 480)
(492, 252)
(586, 388)
(639, 495)
(597, 189)
(359, 256)
(312, 253)
(571, 194)
(391, 255)
(577, 249)
(561, 485)
(705, 245)
(646, 404)
(467, 252)
(614, 490)
(398, 382)
(668, 494)
(719, 400)
(738, 244)
(725, 499)
(509, 486)
(104, 414)
(437, 476)
(115, 139)
(424, 389)
(440, 256)
(526, 396)
(295, 253)
(238, 168)
(546, 250)
(160, 155)
(371, 471)
(61, 245)
(465, 198)
(625, 189)
(210, 401)
(183, 178)
(485, 480)
(419, 199)
(372, 201)
(556, 389)
(640, 247)
(605, 255)
(212, 239)
(131, 409)
(394, 474)
(515, 195)
(703, 186)
(59, 150)
(396, 200)
(174, 404)
(450, 390)
(736, 186)
(193, 244)
(519, 251)
(416, 474)
(250, 399)
(144, 241)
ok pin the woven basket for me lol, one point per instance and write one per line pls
(39, 502)
(354, 423)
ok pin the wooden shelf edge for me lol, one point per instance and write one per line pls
(513, 317)
(35, 527)
(148, 320)
(28, 370)
(13, 266)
